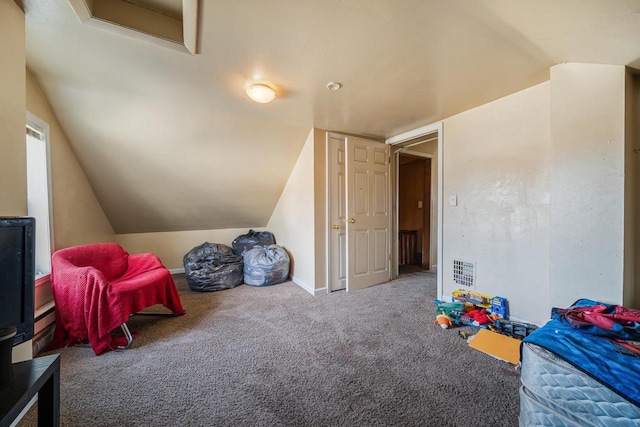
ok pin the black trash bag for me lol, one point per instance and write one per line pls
(266, 265)
(212, 267)
(244, 242)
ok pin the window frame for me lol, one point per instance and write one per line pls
(42, 126)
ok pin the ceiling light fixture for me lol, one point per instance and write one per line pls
(334, 85)
(260, 92)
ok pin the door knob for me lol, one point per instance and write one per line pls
(351, 220)
(335, 226)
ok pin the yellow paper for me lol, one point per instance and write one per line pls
(497, 345)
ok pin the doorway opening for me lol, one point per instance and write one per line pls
(426, 143)
(414, 212)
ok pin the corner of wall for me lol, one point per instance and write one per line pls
(293, 219)
(632, 127)
(496, 160)
(587, 220)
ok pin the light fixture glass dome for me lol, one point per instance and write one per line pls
(260, 92)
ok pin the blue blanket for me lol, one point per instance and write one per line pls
(598, 357)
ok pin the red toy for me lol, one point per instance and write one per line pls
(479, 316)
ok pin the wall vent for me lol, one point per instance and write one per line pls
(464, 273)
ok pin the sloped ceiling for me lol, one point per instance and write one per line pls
(170, 141)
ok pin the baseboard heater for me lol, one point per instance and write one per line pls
(44, 327)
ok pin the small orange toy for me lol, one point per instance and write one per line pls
(443, 320)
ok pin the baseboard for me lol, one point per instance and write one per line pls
(42, 339)
(303, 285)
(294, 279)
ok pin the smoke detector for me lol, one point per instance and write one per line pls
(334, 85)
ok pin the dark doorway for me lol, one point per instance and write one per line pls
(414, 213)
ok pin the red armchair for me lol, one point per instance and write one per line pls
(97, 287)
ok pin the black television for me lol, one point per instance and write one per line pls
(17, 275)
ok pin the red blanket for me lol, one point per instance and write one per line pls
(92, 302)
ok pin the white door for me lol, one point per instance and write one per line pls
(368, 222)
(337, 214)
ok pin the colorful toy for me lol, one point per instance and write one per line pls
(479, 317)
(464, 320)
(499, 307)
(474, 298)
(518, 330)
(449, 308)
(444, 321)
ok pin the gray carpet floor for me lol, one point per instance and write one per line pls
(276, 356)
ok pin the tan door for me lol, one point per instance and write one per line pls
(337, 214)
(368, 222)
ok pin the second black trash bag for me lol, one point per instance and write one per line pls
(266, 265)
(212, 267)
(244, 242)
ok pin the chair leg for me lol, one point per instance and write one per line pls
(127, 335)
(147, 313)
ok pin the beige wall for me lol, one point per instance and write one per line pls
(632, 255)
(293, 219)
(634, 122)
(496, 160)
(13, 161)
(77, 215)
(13, 175)
(171, 246)
(587, 183)
(292, 223)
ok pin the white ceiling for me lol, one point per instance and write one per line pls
(170, 141)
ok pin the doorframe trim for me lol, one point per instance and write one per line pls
(417, 133)
(327, 204)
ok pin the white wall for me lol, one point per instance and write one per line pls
(293, 219)
(587, 183)
(496, 161)
(546, 185)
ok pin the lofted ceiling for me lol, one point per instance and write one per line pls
(169, 7)
(170, 141)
